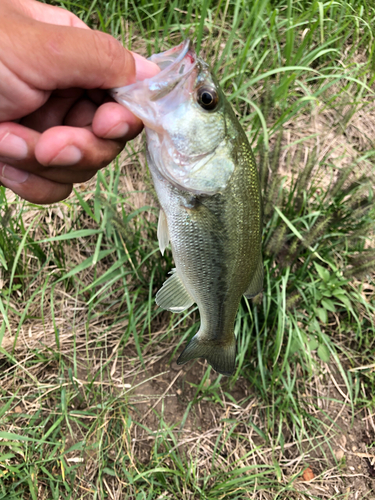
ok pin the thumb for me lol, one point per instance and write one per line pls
(49, 57)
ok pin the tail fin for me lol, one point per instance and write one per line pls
(222, 357)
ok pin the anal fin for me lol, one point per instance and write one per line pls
(256, 283)
(173, 295)
(163, 234)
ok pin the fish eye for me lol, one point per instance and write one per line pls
(207, 98)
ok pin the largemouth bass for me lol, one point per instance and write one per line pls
(206, 180)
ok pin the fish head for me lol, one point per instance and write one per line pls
(186, 120)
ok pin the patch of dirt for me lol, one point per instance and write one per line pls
(234, 428)
(177, 387)
(342, 461)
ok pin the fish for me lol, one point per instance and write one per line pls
(206, 180)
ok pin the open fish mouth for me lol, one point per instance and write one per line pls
(176, 64)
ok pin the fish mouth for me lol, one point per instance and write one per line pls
(176, 64)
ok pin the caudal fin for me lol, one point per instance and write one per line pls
(222, 357)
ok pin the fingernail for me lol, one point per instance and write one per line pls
(13, 146)
(144, 68)
(13, 174)
(70, 155)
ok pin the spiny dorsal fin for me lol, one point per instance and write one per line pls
(173, 295)
(163, 234)
(256, 284)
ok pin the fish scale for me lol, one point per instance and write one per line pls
(207, 184)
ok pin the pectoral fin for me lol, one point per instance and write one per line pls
(163, 234)
(173, 295)
(256, 283)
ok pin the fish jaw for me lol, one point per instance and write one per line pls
(204, 174)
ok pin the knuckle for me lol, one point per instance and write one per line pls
(50, 194)
(117, 61)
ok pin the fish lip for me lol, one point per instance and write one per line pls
(179, 52)
(174, 71)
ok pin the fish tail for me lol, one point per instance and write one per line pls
(221, 356)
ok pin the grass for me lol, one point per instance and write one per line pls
(92, 403)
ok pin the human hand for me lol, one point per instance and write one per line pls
(57, 124)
